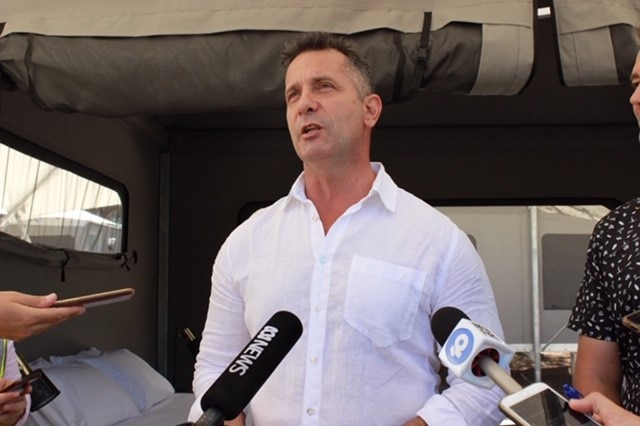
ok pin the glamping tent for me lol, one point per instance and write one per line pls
(170, 97)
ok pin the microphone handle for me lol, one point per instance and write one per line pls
(498, 375)
(211, 417)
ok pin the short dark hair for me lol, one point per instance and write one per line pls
(314, 41)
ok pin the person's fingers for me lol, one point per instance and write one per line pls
(15, 406)
(11, 400)
(24, 315)
(45, 318)
(45, 301)
(4, 382)
(41, 301)
(8, 398)
(581, 405)
(34, 321)
(27, 389)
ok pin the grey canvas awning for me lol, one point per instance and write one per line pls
(152, 57)
(597, 40)
(159, 57)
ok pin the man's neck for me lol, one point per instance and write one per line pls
(334, 192)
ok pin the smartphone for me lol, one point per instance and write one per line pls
(20, 384)
(539, 405)
(632, 321)
(97, 299)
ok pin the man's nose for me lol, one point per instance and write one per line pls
(307, 103)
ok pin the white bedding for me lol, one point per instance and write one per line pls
(108, 388)
(170, 412)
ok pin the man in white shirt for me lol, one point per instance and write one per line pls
(363, 264)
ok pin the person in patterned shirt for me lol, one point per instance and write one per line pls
(608, 359)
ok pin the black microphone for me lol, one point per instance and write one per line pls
(471, 351)
(242, 379)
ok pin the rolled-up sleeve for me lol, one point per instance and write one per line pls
(464, 284)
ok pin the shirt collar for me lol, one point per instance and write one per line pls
(383, 186)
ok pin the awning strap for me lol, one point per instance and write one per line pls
(423, 50)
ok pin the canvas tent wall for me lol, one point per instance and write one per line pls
(147, 57)
(126, 154)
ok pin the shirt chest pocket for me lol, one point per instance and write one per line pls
(382, 299)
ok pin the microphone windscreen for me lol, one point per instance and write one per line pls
(235, 387)
(443, 321)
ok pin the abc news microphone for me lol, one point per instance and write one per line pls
(471, 351)
(232, 391)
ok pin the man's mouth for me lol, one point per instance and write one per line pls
(309, 128)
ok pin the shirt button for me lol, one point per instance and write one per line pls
(323, 260)
(314, 360)
(311, 411)
(315, 218)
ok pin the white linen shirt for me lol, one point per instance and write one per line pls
(365, 293)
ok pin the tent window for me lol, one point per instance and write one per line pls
(44, 204)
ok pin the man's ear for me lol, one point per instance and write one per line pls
(372, 109)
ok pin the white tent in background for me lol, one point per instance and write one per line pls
(37, 188)
(49, 205)
(74, 217)
(77, 229)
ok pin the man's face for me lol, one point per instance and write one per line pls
(327, 118)
(635, 80)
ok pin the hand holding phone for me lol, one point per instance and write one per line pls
(13, 400)
(632, 321)
(21, 384)
(539, 405)
(97, 299)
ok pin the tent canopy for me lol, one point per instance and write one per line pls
(160, 57)
(167, 58)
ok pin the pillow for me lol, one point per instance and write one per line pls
(146, 386)
(87, 398)
(78, 357)
(39, 363)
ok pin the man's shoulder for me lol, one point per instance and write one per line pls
(261, 209)
(416, 205)
(631, 205)
(627, 213)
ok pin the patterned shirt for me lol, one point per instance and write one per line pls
(610, 290)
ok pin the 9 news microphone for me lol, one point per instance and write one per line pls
(471, 351)
(242, 379)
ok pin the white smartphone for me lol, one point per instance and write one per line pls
(632, 321)
(97, 299)
(540, 405)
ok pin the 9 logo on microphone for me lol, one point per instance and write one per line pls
(459, 346)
